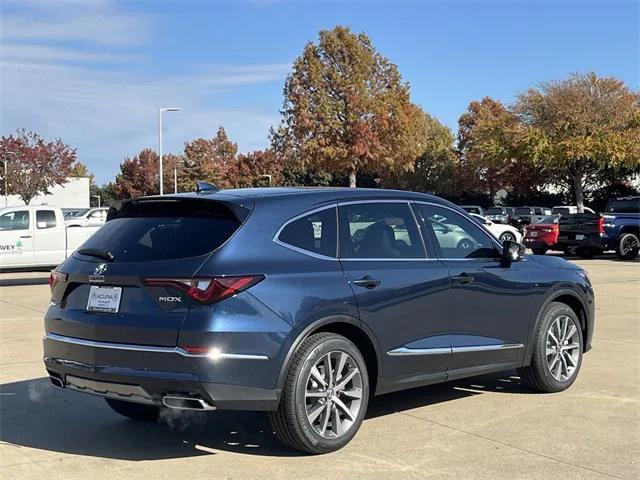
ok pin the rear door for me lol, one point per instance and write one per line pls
(402, 295)
(16, 238)
(106, 296)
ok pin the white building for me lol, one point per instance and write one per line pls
(73, 194)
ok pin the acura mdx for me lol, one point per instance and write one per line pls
(304, 303)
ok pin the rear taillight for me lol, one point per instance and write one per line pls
(601, 225)
(207, 290)
(56, 277)
(547, 229)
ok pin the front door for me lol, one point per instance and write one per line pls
(16, 239)
(489, 303)
(402, 295)
(49, 239)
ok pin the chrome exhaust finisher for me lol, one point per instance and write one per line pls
(186, 403)
(56, 381)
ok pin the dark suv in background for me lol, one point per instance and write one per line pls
(622, 226)
(303, 302)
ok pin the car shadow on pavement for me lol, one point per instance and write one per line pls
(21, 281)
(37, 415)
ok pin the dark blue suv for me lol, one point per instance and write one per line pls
(303, 302)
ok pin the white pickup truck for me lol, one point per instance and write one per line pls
(36, 237)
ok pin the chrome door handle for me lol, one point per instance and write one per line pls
(367, 282)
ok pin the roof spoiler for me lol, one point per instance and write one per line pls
(205, 187)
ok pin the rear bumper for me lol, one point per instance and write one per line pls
(539, 242)
(144, 374)
(589, 241)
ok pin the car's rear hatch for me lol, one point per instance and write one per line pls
(103, 292)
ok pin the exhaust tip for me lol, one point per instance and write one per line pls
(56, 381)
(186, 403)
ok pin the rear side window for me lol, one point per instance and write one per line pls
(626, 205)
(164, 229)
(379, 231)
(523, 211)
(45, 219)
(18, 220)
(315, 233)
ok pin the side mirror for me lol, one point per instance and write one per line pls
(512, 252)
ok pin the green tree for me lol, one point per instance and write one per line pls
(487, 134)
(347, 109)
(34, 165)
(435, 169)
(578, 127)
(208, 160)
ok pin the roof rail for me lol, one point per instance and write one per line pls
(206, 187)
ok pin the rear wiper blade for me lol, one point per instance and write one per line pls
(97, 252)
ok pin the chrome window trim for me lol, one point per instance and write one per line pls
(149, 348)
(401, 351)
(415, 222)
(302, 250)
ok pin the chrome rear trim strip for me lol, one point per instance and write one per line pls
(485, 348)
(419, 351)
(152, 349)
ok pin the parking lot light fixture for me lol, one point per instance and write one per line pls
(160, 110)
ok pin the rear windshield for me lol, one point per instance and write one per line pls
(494, 211)
(627, 205)
(548, 219)
(163, 230)
(523, 211)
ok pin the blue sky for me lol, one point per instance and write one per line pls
(94, 72)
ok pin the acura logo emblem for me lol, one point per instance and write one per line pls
(100, 269)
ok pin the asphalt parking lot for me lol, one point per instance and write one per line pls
(485, 427)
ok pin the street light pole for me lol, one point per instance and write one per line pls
(160, 110)
(6, 184)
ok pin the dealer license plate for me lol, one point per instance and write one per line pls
(104, 299)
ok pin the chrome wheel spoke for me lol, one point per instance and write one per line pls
(569, 358)
(317, 376)
(347, 379)
(355, 393)
(339, 404)
(327, 415)
(342, 360)
(336, 423)
(328, 369)
(315, 413)
(315, 394)
(551, 351)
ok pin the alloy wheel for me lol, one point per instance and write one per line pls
(508, 237)
(629, 244)
(333, 394)
(563, 348)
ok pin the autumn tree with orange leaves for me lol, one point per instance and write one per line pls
(347, 109)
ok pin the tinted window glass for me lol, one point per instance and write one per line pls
(549, 219)
(455, 235)
(15, 220)
(315, 233)
(495, 211)
(45, 219)
(144, 231)
(523, 211)
(379, 230)
(629, 205)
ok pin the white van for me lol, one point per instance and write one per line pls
(36, 236)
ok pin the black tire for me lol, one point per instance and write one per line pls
(628, 246)
(290, 422)
(135, 411)
(538, 374)
(539, 251)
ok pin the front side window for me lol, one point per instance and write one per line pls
(379, 231)
(18, 220)
(315, 233)
(45, 219)
(454, 235)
